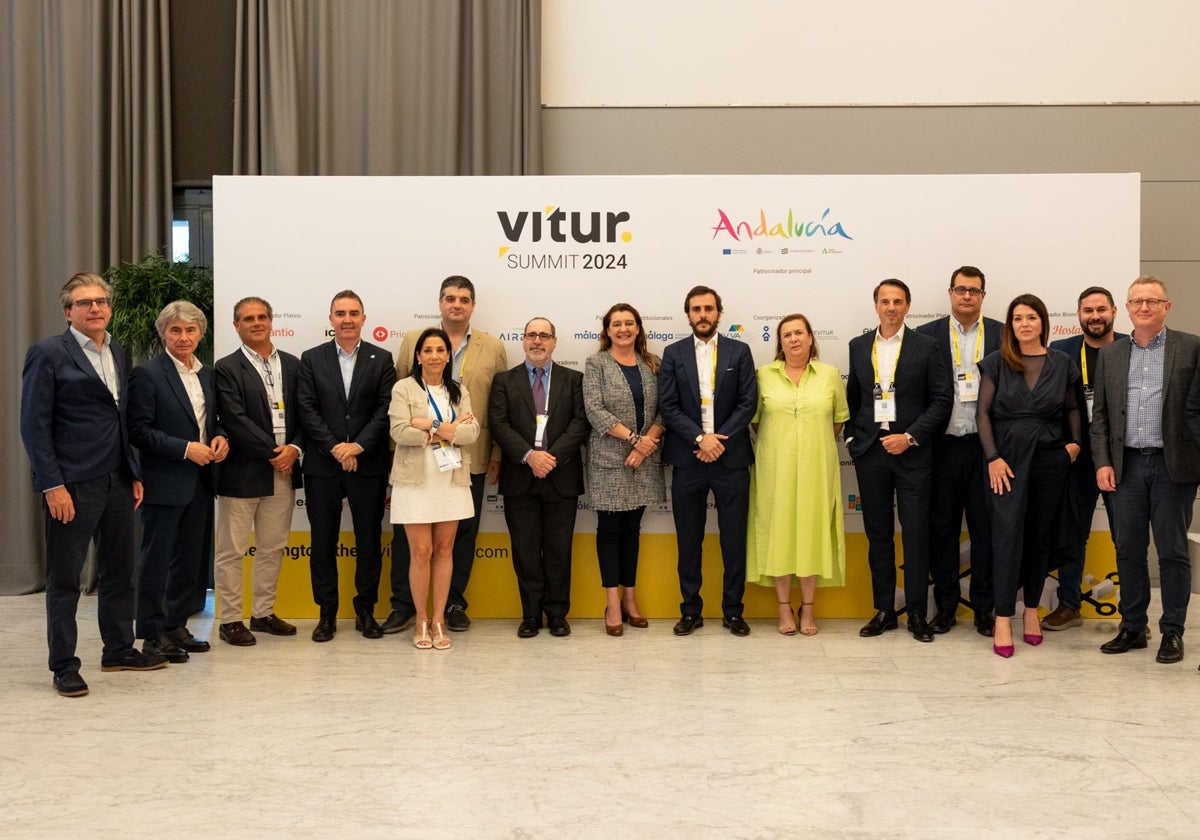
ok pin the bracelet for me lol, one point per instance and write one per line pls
(634, 438)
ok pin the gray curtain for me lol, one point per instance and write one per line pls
(85, 176)
(388, 87)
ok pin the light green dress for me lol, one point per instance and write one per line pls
(796, 483)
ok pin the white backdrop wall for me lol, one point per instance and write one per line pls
(927, 52)
(769, 244)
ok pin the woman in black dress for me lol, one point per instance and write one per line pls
(1026, 393)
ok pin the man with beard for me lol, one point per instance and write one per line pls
(1097, 312)
(707, 394)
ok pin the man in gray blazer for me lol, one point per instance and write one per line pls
(1146, 457)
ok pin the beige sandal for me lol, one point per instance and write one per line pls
(421, 636)
(788, 629)
(440, 640)
(809, 629)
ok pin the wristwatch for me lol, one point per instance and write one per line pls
(912, 441)
(699, 438)
(434, 426)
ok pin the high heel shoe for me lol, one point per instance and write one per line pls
(634, 620)
(421, 638)
(788, 629)
(614, 629)
(1031, 639)
(811, 630)
(440, 640)
(1003, 650)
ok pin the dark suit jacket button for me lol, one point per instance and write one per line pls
(347, 417)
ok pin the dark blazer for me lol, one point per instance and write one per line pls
(1111, 382)
(512, 423)
(923, 396)
(245, 415)
(162, 423)
(72, 428)
(329, 417)
(939, 331)
(1071, 346)
(735, 401)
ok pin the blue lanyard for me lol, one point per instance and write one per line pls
(436, 411)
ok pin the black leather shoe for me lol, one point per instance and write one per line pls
(882, 620)
(920, 629)
(943, 621)
(326, 627)
(398, 622)
(1125, 641)
(272, 624)
(457, 619)
(558, 626)
(368, 626)
(736, 625)
(529, 628)
(235, 633)
(163, 646)
(1170, 649)
(134, 660)
(184, 639)
(985, 623)
(70, 684)
(687, 624)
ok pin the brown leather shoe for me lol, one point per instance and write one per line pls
(235, 633)
(272, 624)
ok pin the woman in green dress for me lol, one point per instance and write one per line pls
(796, 526)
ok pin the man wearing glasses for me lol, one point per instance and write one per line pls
(476, 359)
(258, 409)
(537, 419)
(959, 478)
(73, 406)
(1146, 457)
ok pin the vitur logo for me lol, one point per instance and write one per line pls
(787, 228)
(579, 226)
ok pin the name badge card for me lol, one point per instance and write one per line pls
(885, 405)
(967, 388)
(1089, 398)
(447, 457)
(278, 418)
(707, 417)
(539, 432)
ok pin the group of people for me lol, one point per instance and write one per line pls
(961, 415)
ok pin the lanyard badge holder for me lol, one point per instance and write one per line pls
(446, 455)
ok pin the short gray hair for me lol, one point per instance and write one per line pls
(180, 310)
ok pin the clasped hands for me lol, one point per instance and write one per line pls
(710, 447)
(640, 451)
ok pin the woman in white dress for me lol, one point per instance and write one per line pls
(431, 477)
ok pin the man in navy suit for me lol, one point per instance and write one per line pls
(344, 392)
(959, 479)
(899, 396)
(256, 486)
(707, 395)
(73, 404)
(1097, 312)
(173, 424)
(536, 417)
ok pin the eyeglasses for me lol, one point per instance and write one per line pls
(532, 336)
(86, 303)
(1152, 303)
(966, 290)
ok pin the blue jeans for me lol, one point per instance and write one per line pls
(1147, 499)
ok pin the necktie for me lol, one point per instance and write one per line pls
(539, 391)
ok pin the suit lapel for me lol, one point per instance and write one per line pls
(175, 383)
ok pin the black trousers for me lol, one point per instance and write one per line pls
(463, 555)
(365, 495)
(104, 512)
(1025, 523)
(690, 487)
(175, 559)
(618, 542)
(960, 486)
(541, 525)
(883, 484)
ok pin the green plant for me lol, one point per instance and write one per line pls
(142, 289)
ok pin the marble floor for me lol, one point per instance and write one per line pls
(644, 736)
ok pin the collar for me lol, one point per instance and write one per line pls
(546, 367)
(896, 339)
(342, 354)
(179, 366)
(84, 341)
(712, 342)
(1159, 338)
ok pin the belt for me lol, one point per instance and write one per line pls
(1144, 450)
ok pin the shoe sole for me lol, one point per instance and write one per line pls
(271, 632)
(1124, 650)
(79, 692)
(154, 667)
(248, 643)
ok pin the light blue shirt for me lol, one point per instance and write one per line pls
(346, 363)
(1144, 396)
(102, 360)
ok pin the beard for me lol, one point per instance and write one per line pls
(703, 330)
(1097, 330)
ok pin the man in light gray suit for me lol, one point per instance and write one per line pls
(1147, 458)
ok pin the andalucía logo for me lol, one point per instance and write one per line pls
(580, 226)
(787, 228)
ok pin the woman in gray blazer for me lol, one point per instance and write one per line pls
(624, 468)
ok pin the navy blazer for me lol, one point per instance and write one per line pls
(162, 423)
(923, 396)
(735, 401)
(329, 417)
(245, 414)
(939, 331)
(512, 422)
(1071, 346)
(72, 428)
